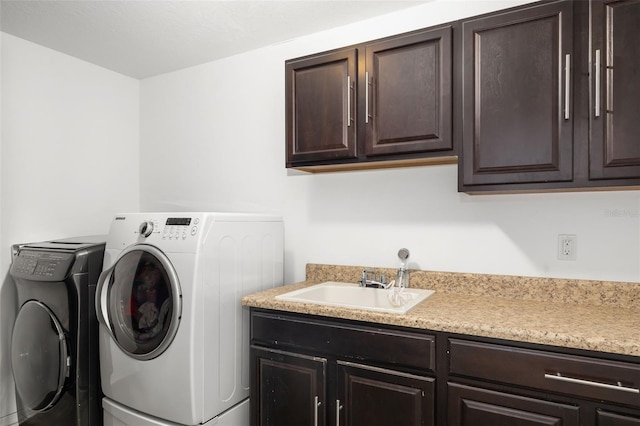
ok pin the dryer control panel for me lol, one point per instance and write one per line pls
(41, 266)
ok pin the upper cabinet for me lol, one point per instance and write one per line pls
(516, 76)
(320, 108)
(388, 100)
(408, 94)
(615, 114)
(543, 96)
(551, 98)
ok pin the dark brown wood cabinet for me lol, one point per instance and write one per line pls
(605, 418)
(408, 94)
(387, 100)
(320, 107)
(614, 148)
(544, 96)
(551, 97)
(506, 384)
(311, 371)
(372, 396)
(291, 388)
(517, 88)
(472, 406)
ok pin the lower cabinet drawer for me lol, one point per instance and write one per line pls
(612, 381)
(351, 341)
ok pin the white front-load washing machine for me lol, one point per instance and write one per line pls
(174, 337)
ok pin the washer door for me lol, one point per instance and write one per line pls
(139, 301)
(39, 356)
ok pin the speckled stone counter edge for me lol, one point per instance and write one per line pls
(586, 292)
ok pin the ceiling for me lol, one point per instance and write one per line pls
(143, 38)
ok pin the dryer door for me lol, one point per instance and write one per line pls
(39, 356)
(139, 301)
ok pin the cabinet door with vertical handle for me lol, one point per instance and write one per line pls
(614, 148)
(517, 97)
(287, 389)
(408, 93)
(320, 107)
(371, 396)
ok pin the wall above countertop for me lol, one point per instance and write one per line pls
(213, 138)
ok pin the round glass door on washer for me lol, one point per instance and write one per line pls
(142, 306)
(39, 356)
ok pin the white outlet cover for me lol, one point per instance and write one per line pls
(567, 246)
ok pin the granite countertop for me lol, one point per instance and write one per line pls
(594, 315)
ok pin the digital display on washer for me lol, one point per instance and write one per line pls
(179, 221)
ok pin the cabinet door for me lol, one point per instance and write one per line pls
(615, 114)
(470, 406)
(369, 396)
(611, 419)
(320, 107)
(407, 88)
(287, 388)
(517, 116)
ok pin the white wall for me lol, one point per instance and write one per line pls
(69, 159)
(213, 137)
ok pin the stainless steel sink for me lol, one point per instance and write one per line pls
(346, 295)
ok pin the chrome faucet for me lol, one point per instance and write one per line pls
(368, 279)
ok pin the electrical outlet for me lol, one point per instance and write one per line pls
(567, 247)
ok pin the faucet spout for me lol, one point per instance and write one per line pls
(402, 278)
(368, 279)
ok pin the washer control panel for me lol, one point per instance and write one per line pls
(173, 228)
(180, 228)
(41, 266)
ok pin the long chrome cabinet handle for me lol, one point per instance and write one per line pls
(316, 403)
(597, 88)
(366, 97)
(617, 387)
(348, 101)
(338, 408)
(567, 82)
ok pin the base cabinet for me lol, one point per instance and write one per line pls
(471, 406)
(605, 418)
(307, 371)
(316, 371)
(567, 389)
(369, 396)
(290, 387)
